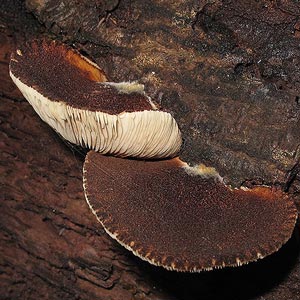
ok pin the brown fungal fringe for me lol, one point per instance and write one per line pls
(72, 95)
(183, 219)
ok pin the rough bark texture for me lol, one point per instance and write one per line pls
(228, 71)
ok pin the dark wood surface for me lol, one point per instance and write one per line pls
(51, 245)
(228, 70)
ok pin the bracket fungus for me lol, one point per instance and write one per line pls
(170, 214)
(184, 218)
(73, 96)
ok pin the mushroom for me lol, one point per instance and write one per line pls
(170, 214)
(184, 218)
(73, 96)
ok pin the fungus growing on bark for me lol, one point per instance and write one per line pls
(72, 95)
(184, 218)
(166, 212)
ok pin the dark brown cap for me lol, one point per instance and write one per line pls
(72, 95)
(184, 219)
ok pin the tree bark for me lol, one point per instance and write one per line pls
(236, 112)
(227, 71)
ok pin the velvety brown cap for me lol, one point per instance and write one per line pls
(71, 94)
(182, 222)
(61, 73)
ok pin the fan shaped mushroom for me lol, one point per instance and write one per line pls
(184, 218)
(170, 214)
(72, 95)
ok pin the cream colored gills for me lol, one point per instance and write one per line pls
(144, 134)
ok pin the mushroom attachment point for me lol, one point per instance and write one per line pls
(72, 95)
(185, 219)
